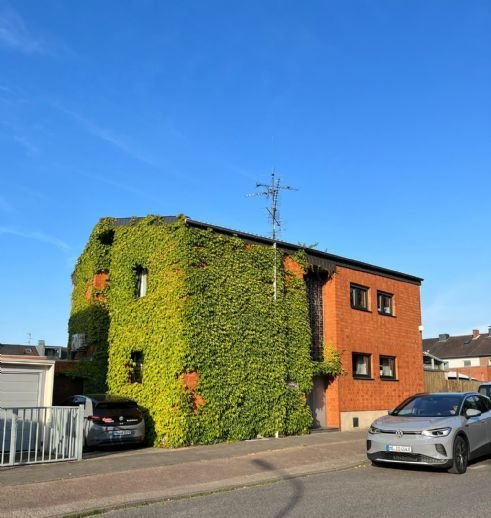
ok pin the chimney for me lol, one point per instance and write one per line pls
(489, 331)
(443, 337)
(40, 347)
(475, 333)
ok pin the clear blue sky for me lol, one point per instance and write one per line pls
(379, 112)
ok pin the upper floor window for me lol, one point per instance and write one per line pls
(384, 303)
(387, 367)
(359, 297)
(314, 282)
(141, 281)
(362, 365)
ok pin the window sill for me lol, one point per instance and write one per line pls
(386, 314)
(366, 310)
(388, 379)
(361, 378)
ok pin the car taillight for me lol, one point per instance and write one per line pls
(98, 419)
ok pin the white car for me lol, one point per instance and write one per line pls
(443, 430)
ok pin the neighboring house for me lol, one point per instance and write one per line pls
(54, 352)
(200, 331)
(467, 356)
(432, 363)
(26, 379)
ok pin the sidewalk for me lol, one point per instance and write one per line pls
(109, 479)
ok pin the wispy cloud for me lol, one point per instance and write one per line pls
(121, 142)
(15, 34)
(23, 141)
(37, 236)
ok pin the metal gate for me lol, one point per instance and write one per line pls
(31, 435)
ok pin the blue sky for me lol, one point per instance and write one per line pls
(379, 112)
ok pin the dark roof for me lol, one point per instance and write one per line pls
(12, 349)
(458, 346)
(323, 260)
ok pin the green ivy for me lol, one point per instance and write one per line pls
(210, 310)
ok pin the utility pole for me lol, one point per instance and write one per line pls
(272, 192)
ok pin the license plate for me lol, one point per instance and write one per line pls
(397, 448)
(118, 433)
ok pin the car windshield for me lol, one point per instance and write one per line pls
(429, 406)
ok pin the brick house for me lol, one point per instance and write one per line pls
(370, 314)
(465, 355)
(373, 316)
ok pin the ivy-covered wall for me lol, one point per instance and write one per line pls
(222, 359)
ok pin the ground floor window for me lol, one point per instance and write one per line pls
(387, 367)
(136, 367)
(362, 365)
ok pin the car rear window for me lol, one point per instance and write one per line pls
(485, 390)
(110, 407)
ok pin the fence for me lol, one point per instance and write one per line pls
(435, 381)
(31, 435)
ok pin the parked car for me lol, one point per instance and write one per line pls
(485, 388)
(109, 420)
(443, 430)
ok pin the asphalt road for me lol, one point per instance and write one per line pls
(358, 492)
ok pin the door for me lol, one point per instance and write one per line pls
(317, 402)
(476, 427)
(18, 389)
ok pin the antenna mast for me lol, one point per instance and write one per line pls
(272, 192)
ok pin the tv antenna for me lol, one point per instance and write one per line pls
(272, 192)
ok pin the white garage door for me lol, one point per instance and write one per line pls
(20, 389)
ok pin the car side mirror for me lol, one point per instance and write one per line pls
(472, 412)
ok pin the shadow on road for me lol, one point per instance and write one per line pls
(295, 483)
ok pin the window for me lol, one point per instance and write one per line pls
(467, 363)
(106, 237)
(384, 303)
(388, 367)
(470, 402)
(136, 367)
(359, 297)
(314, 282)
(361, 365)
(141, 281)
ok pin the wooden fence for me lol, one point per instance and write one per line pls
(435, 381)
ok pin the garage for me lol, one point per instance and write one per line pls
(20, 388)
(25, 381)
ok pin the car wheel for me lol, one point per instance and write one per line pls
(460, 456)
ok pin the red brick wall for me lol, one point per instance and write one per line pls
(351, 330)
(482, 373)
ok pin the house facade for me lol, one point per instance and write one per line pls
(467, 356)
(222, 336)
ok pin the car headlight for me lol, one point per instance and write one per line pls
(437, 432)
(374, 429)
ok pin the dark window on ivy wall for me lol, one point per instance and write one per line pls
(314, 282)
(136, 367)
(141, 281)
(106, 237)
